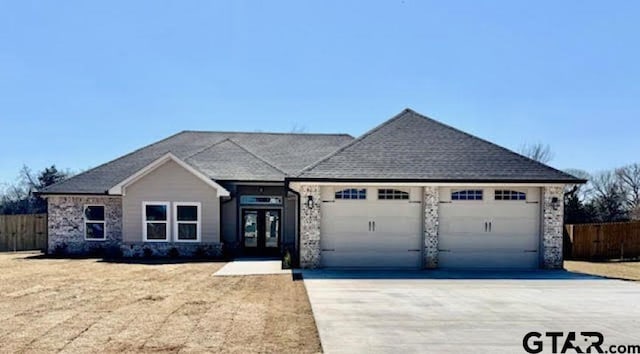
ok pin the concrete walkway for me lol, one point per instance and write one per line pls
(458, 312)
(252, 267)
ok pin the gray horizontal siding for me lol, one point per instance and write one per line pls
(170, 183)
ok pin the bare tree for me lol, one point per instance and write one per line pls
(608, 197)
(297, 129)
(583, 191)
(539, 152)
(629, 177)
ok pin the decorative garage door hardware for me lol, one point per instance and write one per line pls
(487, 226)
(372, 226)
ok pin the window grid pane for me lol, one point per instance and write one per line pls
(187, 231)
(156, 231)
(469, 194)
(94, 230)
(156, 212)
(510, 195)
(94, 212)
(351, 193)
(187, 212)
(392, 194)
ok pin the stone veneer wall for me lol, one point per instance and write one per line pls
(66, 224)
(552, 225)
(431, 203)
(310, 227)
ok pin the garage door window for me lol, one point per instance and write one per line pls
(351, 193)
(392, 194)
(468, 194)
(510, 195)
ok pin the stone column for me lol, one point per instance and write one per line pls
(552, 225)
(310, 227)
(431, 203)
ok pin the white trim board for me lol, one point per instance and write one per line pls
(120, 188)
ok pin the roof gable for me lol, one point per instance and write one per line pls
(120, 188)
(411, 146)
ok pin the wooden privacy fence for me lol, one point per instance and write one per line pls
(603, 241)
(23, 232)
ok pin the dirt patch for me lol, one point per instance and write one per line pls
(85, 305)
(619, 270)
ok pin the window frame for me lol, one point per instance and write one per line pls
(392, 193)
(145, 221)
(350, 189)
(454, 191)
(87, 221)
(198, 223)
(510, 193)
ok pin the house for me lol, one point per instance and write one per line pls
(410, 193)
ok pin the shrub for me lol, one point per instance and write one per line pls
(173, 252)
(60, 249)
(147, 252)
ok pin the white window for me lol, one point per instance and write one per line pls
(187, 221)
(509, 195)
(351, 193)
(467, 194)
(155, 221)
(392, 194)
(94, 225)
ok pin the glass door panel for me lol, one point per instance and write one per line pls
(272, 228)
(250, 228)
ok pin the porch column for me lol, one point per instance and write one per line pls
(552, 224)
(310, 227)
(431, 204)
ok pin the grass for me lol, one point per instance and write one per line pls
(85, 305)
(614, 269)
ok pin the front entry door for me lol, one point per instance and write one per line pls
(261, 231)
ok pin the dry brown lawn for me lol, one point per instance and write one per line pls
(620, 270)
(86, 305)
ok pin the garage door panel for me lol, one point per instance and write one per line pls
(486, 259)
(463, 242)
(353, 241)
(469, 225)
(364, 258)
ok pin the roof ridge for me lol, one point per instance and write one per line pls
(265, 133)
(116, 159)
(356, 140)
(257, 156)
(206, 148)
(241, 147)
(445, 125)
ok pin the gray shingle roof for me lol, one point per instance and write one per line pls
(411, 146)
(220, 155)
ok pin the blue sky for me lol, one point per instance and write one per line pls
(84, 82)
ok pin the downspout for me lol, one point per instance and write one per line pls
(297, 221)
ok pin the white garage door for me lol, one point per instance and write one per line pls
(371, 227)
(489, 228)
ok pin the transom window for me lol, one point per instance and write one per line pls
(187, 221)
(509, 195)
(468, 194)
(351, 193)
(155, 216)
(94, 224)
(392, 194)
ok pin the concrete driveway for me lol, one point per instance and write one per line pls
(458, 312)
